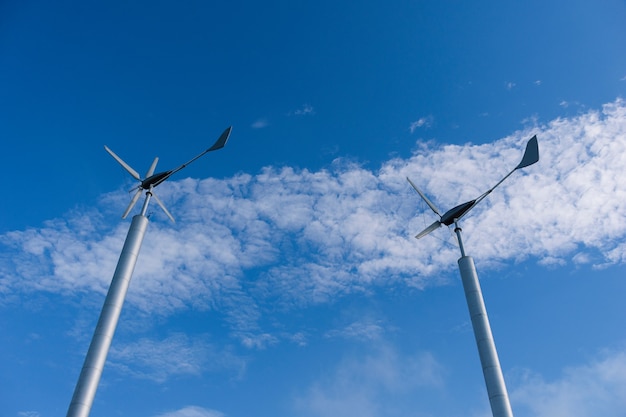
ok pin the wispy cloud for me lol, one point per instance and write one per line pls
(426, 121)
(260, 124)
(299, 237)
(597, 388)
(176, 355)
(305, 110)
(364, 330)
(379, 383)
(257, 341)
(566, 104)
(28, 414)
(192, 411)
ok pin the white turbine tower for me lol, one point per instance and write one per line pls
(89, 378)
(496, 388)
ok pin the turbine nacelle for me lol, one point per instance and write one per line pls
(154, 179)
(531, 156)
(457, 212)
(151, 180)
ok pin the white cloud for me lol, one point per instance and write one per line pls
(192, 411)
(299, 338)
(257, 341)
(28, 414)
(306, 109)
(426, 121)
(299, 237)
(365, 330)
(595, 389)
(510, 85)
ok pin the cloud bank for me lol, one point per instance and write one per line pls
(296, 237)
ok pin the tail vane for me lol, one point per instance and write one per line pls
(221, 141)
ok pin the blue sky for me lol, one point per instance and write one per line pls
(291, 284)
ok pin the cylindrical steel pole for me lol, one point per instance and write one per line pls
(87, 384)
(496, 388)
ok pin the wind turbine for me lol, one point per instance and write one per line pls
(492, 372)
(89, 378)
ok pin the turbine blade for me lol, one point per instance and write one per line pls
(152, 167)
(436, 225)
(133, 201)
(123, 164)
(531, 155)
(160, 203)
(219, 144)
(431, 205)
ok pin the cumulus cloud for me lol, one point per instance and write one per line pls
(299, 237)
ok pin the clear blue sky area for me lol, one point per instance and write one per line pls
(291, 284)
